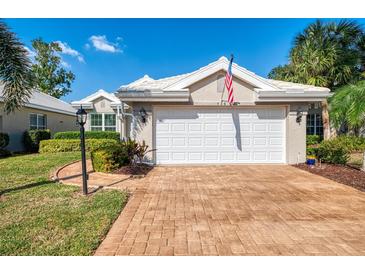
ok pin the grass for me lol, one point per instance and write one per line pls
(40, 217)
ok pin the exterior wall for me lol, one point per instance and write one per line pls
(16, 123)
(144, 131)
(209, 91)
(102, 105)
(296, 134)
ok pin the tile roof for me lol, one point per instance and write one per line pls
(41, 100)
(147, 83)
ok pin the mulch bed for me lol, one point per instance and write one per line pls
(140, 169)
(339, 173)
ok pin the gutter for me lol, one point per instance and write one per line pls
(158, 95)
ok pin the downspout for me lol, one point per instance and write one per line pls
(122, 113)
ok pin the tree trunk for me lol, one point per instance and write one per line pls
(326, 120)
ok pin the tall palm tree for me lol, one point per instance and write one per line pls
(328, 55)
(14, 70)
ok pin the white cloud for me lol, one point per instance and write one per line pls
(101, 43)
(65, 64)
(87, 46)
(66, 49)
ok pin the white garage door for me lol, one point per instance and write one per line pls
(228, 135)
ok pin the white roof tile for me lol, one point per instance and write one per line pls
(147, 83)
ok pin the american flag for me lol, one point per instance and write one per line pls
(228, 82)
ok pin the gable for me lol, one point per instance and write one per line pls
(102, 104)
(209, 90)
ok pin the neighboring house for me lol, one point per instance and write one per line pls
(187, 120)
(102, 108)
(42, 111)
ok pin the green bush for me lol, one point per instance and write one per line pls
(313, 139)
(333, 151)
(312, 150)
(88, 135)
(110, 158)
(64, 145)
(352, 143)
(4, 139)
(32, 138)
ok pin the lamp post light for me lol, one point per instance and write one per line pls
(81, 117)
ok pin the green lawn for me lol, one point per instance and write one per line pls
(40, 217)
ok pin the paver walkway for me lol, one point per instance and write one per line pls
(238, 210)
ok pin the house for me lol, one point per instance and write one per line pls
(42, 111)
(187, 120)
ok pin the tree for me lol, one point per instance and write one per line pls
(327, 55)
(14, 70)
(49, 76)
(348, 107)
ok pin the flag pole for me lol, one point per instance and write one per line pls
(224, 86)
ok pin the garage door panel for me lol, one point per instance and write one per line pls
(207, 135)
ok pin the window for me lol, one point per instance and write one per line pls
(314, 124)
(109, 123)
(37, 121)
(102, 122)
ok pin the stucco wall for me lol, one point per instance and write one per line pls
(296, 133)
(16, 123)
(209, 90)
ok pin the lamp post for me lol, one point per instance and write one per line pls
(81, 116)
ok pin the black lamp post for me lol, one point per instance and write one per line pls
(81, 117)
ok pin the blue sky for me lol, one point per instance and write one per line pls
(106, 53)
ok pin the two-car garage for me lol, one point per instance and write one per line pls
(208, 135)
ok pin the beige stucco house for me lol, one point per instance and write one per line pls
(187, 120)
(40, 112)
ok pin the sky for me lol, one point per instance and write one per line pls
(107, 53)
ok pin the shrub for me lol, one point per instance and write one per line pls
(64, 145)
(88, 135)
(352, 143)
(334, 152)
(135, 150)
(313, 139)
(4, 139)
(110, 158)
(312, 150)
(32, 138)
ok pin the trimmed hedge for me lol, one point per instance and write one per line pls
(334, 152)
(32, 138)
(109, 159)
(88, 135)
(64, 145)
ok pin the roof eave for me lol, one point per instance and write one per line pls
(154, 96)
(292, 95)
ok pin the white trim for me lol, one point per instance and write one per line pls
(103, 120)
(87, 102)
(30, 105)
(222, 64)
(37, 125)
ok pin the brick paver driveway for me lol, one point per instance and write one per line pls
(239, 210)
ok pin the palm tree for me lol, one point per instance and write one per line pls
(348, 107)
(14, 70)
(327, 55)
